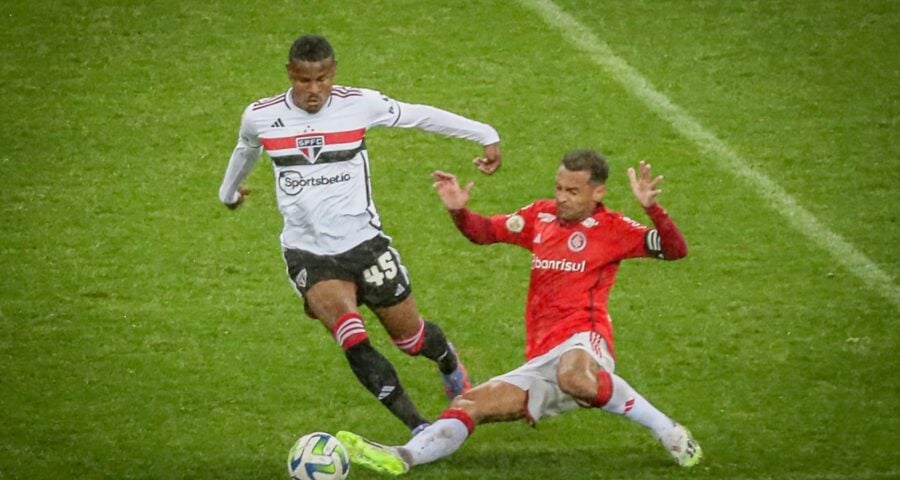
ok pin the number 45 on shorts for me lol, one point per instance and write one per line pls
(386, 268)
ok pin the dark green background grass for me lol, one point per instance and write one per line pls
(146, 332)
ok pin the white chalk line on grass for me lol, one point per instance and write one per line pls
(827, 476)
(843, 251)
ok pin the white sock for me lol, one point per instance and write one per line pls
(439, 440)
(627, 402)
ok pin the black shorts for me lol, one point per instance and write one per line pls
(374, 266)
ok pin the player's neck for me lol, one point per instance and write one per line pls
(597, 209)
(295, 104)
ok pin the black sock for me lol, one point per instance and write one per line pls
(436, 348)
(377, 374)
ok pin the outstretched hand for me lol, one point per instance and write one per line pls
(453, 196)
(644, 186)
(490, 162)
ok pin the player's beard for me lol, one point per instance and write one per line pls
(570, 213)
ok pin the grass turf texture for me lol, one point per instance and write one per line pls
(147, 332)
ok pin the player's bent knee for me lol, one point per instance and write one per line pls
(577, 384)
(473, 400)
(494, 401)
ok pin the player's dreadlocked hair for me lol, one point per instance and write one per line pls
(310, 48)
(587, 160)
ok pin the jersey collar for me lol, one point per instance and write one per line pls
(289, 101)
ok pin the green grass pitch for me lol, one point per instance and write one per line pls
(146, 332)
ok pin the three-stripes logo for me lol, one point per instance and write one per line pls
(385, 391)
(278, 123)
(653, 243)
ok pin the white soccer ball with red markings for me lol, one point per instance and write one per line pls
(318, 456)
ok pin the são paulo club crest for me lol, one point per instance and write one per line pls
(310, 146)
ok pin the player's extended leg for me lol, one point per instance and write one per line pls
(580, 376)
(416, 336)
(333, 302)
(494, 401)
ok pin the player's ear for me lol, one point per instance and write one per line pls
(599, 192)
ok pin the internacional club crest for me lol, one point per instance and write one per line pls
(577, 242)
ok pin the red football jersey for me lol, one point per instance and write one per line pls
(573, 265)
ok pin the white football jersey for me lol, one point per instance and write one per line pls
(321, 164)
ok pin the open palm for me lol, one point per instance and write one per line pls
(644, 186)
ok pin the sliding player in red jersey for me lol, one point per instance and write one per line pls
(337, 255)
(576, 246)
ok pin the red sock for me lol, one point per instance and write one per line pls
(413, 344)
(604, 388)
(349, 330)
(462, 416)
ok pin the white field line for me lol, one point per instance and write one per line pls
(828, 476)
(844, 252)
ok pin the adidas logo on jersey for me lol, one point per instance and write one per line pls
(278, 123)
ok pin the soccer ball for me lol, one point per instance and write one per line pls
(318, 456)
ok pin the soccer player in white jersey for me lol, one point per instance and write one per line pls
(336, 253)
(577, 245)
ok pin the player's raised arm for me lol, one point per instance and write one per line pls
(646, 189)
(452, 194)
(475, 227)
(435, 120)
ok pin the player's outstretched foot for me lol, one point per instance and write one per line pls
(682, 446)
(456, 382)
(371, 455)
